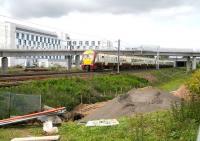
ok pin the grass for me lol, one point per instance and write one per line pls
(168, 79)
(157, 126)
(171, 79)
(69, 92)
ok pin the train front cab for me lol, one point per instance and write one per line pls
(88, 60)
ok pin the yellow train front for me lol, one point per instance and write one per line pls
(88, 60)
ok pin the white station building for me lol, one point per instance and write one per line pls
(15, 36)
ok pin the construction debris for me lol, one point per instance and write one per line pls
(49, 129)
(102, 122)
(56, 120)
(44, 138)
(28, 117)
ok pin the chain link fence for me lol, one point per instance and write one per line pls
(18, 104)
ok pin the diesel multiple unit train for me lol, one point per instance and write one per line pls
(92, 61)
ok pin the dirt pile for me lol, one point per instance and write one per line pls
(135, 101)
(86, 109)
(182, 92)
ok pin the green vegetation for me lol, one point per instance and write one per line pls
(179, 124)
(168, 79)
(158, 126)
(194, 83)
(171, 79)
(69, 92)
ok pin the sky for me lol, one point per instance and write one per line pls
(164, 23)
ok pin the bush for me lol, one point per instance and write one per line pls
(194, 83)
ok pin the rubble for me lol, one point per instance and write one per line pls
(102, 122)
(49, 129)
(29, 117)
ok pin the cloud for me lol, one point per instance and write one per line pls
(57, 8)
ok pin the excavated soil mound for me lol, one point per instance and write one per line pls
(86, 109)
(135, 101)
(182, 92)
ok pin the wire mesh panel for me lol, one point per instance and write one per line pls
(23, 104)
(4, 105)
(18, 104)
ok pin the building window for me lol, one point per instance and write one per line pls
(27, 36)
(80, 43)
(36, 38)
(40, 39)
(48, 40)
(74, 43)
(87, 43)
(99, 42)
(32, 37)
(44, 39)
(59, 42)
(29, 43)
(52, 41)
(17, 35)
(56, 41)
(69, 43)
(22, 35)
(93, 43)
(24, 42)
(34, 43)
(20, 42)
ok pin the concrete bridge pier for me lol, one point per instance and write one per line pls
(4, 65)
(157, 63)
(77, 61)
(69, 62)
(194, 63)
(175, 64)
(188, 64)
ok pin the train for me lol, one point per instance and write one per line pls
(93, 60)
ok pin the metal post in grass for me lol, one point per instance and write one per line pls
(9, 105)
(118, 56)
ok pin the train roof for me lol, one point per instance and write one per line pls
(89, 52)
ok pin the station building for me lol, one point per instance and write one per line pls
(15, 36)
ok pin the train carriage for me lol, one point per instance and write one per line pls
(92, 60)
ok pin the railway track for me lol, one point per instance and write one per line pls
(7, 80)
(16, 79)
(10, 77)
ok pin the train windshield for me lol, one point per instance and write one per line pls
(88, 56)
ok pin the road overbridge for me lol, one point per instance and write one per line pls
(189, 55)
